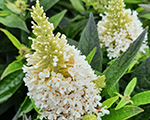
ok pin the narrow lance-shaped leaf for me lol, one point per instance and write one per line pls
(13, 39)
(91, 55)
(10, 84)
(35, 108)
(142, 73)
(12, 67)
(116, 70)
(141, 98)
(126, 98)
(112, 91)
(57, 18)
(147, 16)
(130, 87)
(47, 4)
(78, 5)
(5, 13)
(109, 102)
(72, 30)
(26, 106)
(133, 1)
(89, 39)
(14, 21)
(123, 102)
(123, 113)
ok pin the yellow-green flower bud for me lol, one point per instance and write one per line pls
(100, 82)
(89, 117)
(20, 4)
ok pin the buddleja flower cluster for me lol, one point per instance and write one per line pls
(119, 28)
(58, 78)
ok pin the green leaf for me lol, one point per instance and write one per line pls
(10, 84)
(109, 102)
(91, 55)
(47, 4)
(13, 39)
(144, 115)
(147, 16)
(112, 91)
(73, 29)
(97, 73)
(123, 113)
(2, 5)
(126, 98)
(89, 39)
(14, 21)
(57, 18)
(13, 7)
(72, 42)
(134, 62)
(130, 87)
(116, 70)
(26, 106)
(78, 5)
(142, 73)
(141, 98)
(35, 108)
(12, 67)
(145, 6)
(5, 13)
(133, 1)
(123, 102)
(139, 9)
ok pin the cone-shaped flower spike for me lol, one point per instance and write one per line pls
(58, 78)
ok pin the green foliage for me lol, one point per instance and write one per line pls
(141, 98)
(72, 42)
(133, 1)
(47, 4)
(126, 98)
(123, 113)
(142, 116)
(72, 30)
(13, 39)
(57, 18)
(26, 106)
(142, 73)
(130, 87)
(10, 84)
(12, 67)
(5, 13)
(89, 39)
(14, 21)
(110, 101)
(78, 5)
(91, 55)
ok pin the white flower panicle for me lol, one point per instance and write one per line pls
(58, 78)
(119, 28)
